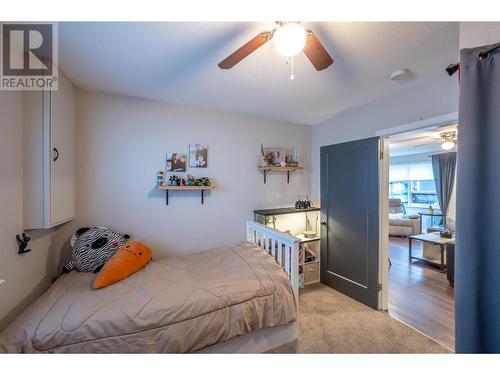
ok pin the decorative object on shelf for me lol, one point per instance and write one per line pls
(198, 156)
(160, 178)
(274, 156)
(290, 162)
(296, 155)
(176, 162)
(202, 181)
(298, 204)
(206, 181)
(176, 181)
(263, 158)
(306, 203)
(303, 203)
(191, 183)
(22, 242)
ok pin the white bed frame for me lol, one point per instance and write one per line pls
(285, 249)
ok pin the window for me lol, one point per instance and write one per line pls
(413, 184)
(401, 190)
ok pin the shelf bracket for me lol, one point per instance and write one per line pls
(265, 176)
(166, 197)
(202, 195)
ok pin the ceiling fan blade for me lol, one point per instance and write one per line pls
(424, 144)
(245, 50)
(316, 53)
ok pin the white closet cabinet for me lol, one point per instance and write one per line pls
(49, 156)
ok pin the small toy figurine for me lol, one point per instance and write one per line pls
(190, 180)
(176, 181)
(160, 178)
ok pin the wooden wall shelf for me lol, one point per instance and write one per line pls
(167, 188)
(287, 170)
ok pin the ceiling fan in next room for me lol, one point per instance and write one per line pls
(447, 139)
(290, 39)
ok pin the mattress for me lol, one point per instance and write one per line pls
(173, 305)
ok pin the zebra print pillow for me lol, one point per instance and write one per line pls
(92, 248)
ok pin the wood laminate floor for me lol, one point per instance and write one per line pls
(420, 295)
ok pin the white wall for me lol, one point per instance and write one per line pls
(26, 276)
(476, 34)
(422, 100)
(122, 143)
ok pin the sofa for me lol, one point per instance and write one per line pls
(401, 224)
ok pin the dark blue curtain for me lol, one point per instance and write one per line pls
(443, 168)
(477, 267)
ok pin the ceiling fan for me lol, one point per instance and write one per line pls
(290, 39)
(448, 140)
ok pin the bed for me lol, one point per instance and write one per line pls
(238, 298)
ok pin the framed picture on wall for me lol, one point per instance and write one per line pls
(176, 162)
(274, 155)
(198, 156)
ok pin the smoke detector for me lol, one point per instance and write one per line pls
(401, 75)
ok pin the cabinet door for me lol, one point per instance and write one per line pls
(33, 161)
(62, 153)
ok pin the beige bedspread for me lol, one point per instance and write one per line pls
(174, 304)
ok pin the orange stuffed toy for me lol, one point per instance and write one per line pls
(130, 258)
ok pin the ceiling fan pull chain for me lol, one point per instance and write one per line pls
(291, 75)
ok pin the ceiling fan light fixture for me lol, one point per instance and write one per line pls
(290, 39)
(447, 145)
(449, 140)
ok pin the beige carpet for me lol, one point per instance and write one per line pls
(331, 322)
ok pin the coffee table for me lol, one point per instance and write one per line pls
(435, 239)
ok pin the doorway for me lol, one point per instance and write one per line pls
(420, 256)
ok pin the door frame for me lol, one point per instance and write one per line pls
(384, 135)
(383, 208)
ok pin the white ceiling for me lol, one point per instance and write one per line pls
(177, 63)
(426, 141)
